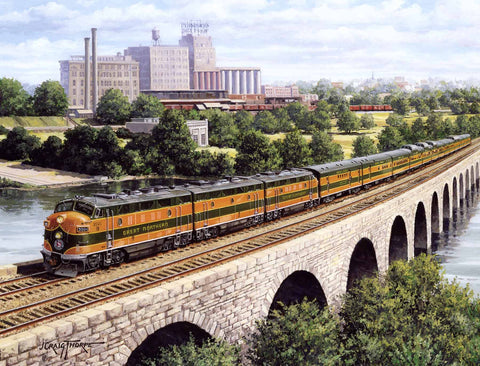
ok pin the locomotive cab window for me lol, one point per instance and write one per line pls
(64, 206)
(84, 208)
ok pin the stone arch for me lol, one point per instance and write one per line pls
(363, 262)
(461, 192)
(477, 175)
(435, 216)
(446, 205)
(472, 178)
(398, 248)
(297, 286)
(173, 334)
(420, 233)
(467, 181)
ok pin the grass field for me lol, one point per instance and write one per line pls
(33, 121)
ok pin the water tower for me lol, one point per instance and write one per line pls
(155, 36)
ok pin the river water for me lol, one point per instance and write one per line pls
(22, 214)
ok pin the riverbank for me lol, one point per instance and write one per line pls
(42, 177)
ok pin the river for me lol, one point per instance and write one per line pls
(22, 214)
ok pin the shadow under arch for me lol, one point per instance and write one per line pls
(420, 237)
(172, 334)
(362, 263)
(398, 247)
(296, 287)
(446, 204)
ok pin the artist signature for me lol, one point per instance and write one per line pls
(63, 346)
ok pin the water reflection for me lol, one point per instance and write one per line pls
(457, 248)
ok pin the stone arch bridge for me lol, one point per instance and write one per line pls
(225, 301)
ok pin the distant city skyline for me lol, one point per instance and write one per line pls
(289, 40)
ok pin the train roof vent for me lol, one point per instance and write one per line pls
(159, 188)
(147, 190)
(108, 196)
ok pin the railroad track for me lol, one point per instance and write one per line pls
(28, 314)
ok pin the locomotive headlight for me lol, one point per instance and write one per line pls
(58, 244)
(60, 219)
(58, 235)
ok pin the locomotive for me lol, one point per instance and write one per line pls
(87, 233)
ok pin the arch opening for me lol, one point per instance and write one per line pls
(446, 205)
(477, 175)
(173, 334)
(461, 192)
(363, 262)
(398, 248)
(435, 220)
(420, 238)
(295, 288)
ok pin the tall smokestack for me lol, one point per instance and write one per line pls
(94, 69)
(87, 74)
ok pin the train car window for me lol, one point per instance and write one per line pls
(84, 208)
(248, 197)
(212, 204)
(232, 201)
(64, 206)
(169, 213)
(119, 221)
(99, 213)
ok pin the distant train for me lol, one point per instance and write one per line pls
(86, 233)
(370, 108)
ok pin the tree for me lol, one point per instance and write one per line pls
(300, 334)
(171, 145)
(324, 149)
(390, 138)
(317, 120)
(243, 120)
(363, 146)
(50, 99)
(284, 122)
(222, 131)
(296, 111)
(266, 122)
(14, 100)
(256, 154)
(367, 121)
(411, 316)
(394, 120)
(18, 145)
(146, 106)
(48, 155)
(348, 122)
(294, 150)
(400, 104)
(210, 353)
(213, 165)
(419, 130)
(113, 108)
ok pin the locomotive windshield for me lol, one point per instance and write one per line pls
(78, 206)
(64, 206)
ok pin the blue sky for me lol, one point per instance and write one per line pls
(290, 40)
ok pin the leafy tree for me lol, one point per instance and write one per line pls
(113, 108)
(413, 316)
(171, 145)
(3, 130)
(300, 334)
(324, 149)
(48, 155)
(243, 120)
(348, 122)
(363, 146)
(317, 120)
(146, 106)
(256, 154)
(294, 150)
(296, 111)
(419, 130)
(459, 107)
(14, 100)
(400, 104)
(284, 123)
(210, 353)
(222, 131)
(394, 120)
(390, 138)
(213, 165)
(50, 99)
(18, 145)
(367, 121)
(266, 122)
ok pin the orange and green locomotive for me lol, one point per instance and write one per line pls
(86, 233)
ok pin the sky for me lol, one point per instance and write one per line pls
(289, 40)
